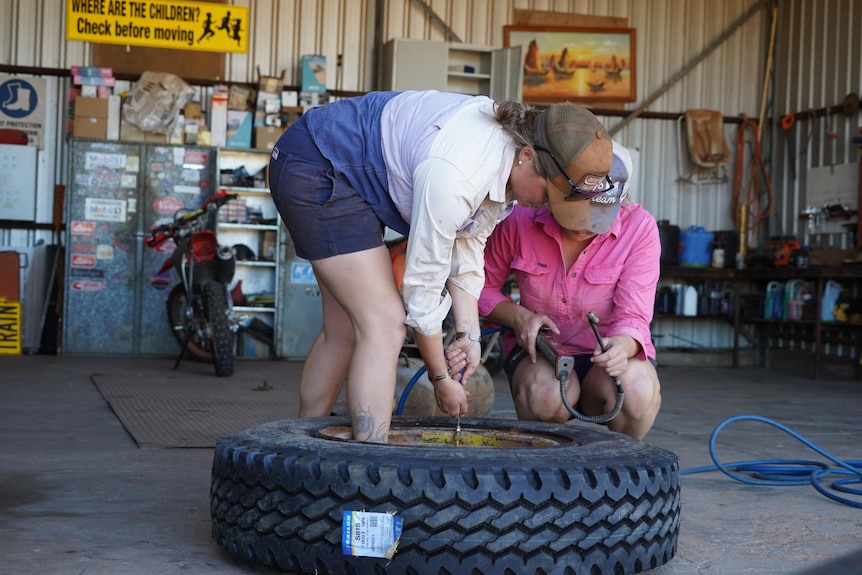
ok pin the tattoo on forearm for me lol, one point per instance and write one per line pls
(364, 426)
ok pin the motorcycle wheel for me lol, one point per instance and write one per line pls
(223, 343)
(517, 497)
(197, 347)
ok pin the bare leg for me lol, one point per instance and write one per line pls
(326, 366)
(363, 285)
(642, 397)
(536, 392)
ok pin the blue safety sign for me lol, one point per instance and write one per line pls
(22, 107)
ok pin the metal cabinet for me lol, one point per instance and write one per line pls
(114, 303)
(300, 316)
(452, 67)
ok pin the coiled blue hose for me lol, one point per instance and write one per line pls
(786, 472)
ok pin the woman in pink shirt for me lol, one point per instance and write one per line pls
(598, 254)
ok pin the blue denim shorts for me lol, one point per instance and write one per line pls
(323, 213)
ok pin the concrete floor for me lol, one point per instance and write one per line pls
(77, 496)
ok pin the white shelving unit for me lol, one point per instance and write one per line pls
(251, 221)
(452, 67)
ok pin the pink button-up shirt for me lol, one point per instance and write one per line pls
(615, 277)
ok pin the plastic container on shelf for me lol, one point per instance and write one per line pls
(696, 245)
(793, 299)
(669, 240)
(831, 292)
(772, 306)
(665, 301)
(689, 301)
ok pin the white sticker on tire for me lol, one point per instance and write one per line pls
(370, 534)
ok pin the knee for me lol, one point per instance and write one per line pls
(393, 333)
(537, 399)
(642, 397)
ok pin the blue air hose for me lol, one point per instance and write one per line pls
(787, 472)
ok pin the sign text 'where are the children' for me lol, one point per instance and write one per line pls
(202, 26)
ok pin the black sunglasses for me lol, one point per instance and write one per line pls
(598, 189)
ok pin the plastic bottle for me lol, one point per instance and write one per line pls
(772, 290)
(831, 292)
(689, 301)
(677, 298)
(718, 255)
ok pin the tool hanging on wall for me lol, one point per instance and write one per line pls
(749, 196)
(848, 108)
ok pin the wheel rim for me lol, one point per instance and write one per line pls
(445, 436)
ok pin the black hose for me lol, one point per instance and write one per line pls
(593, 320)
(592, 418)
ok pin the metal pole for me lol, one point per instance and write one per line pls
(437, 20)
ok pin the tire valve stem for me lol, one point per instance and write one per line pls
(458, 432)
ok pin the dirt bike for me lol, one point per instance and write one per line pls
(200, 310)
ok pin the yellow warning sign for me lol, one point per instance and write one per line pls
(10, 327)
(203, 26)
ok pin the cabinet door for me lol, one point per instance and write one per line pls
(300, 315)
(414, 65)
(507, 78)
(176, 178)
(102, 255)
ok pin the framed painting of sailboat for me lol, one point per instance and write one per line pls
(575, 64)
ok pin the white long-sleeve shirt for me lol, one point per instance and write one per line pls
(448, 182)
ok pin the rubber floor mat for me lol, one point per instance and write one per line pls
(185, 411)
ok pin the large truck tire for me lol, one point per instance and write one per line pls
(515, 498)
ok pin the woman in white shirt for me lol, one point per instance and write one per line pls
(442, 169)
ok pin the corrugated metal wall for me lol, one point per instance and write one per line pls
(817, 61)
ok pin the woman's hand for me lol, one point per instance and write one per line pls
(451, 396)
(615, 360)
(527, 327)
(463, 357)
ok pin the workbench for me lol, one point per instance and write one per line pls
(842, 340)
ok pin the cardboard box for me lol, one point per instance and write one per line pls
(269, 90)
(91, 118)
(268, 112)
(131, 133)
(235, 211)
(238, 129)
(92, 71)
(290, 114)
(313, 73)
(268, 247)
(240, 98)
(265, 137)
(91, 107)
(192, 111)
(218, 118)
